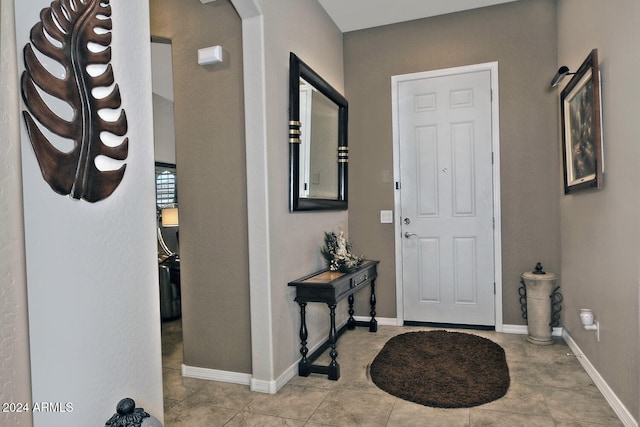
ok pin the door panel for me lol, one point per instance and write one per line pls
(446, 175)
(427, 190)
(462, 170)
(429, 270)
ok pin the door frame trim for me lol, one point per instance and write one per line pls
(492, 67)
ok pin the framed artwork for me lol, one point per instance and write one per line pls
(581, 128)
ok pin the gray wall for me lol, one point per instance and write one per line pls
(599, 261)
(600, 230)
(210, 158)
(304, 28)
(521, 36)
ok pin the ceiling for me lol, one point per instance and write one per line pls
(351, 15)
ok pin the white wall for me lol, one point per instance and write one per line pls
(14, 335)
(164, 129)
(600, 230)
(91, 268)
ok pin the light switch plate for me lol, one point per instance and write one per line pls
(386, 217)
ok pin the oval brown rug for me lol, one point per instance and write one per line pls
(442, 369)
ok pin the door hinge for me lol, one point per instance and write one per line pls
(494, 288)
(397, 185)
(494, 222)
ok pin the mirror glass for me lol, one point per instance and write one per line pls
(318, 141)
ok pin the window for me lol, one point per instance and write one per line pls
(166, 185)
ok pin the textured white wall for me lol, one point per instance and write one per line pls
(15, 385)
(163, 109)
(91, 268)
(164, 130)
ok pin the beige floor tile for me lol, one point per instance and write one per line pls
(583, 405)
(224, 395)
(172, 355)
(567, 373)
(563, 423)
(187, 414)
(408, 414)
(521, 399)
(523, 372)
(313, 380)
(291, 401)
(484, 418)
(345, 408)
(248, 419)
(547, 353)
(175, 386)
(169, 403)
(547, 388)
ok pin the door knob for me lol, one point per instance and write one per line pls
(408, 235)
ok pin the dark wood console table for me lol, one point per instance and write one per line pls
(330, 287)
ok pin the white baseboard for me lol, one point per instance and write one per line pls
(523, 330)
(507, 329)
(260, 386)
(215, 375)
(616, 404)
(515, 329)
(382, 321)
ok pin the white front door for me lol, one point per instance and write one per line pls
(446, 197)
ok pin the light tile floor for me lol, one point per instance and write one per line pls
(549, 387)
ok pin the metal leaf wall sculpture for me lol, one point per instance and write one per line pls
(64, 33)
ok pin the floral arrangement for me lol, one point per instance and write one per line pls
(337, 252)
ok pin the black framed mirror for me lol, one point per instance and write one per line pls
(318, 149)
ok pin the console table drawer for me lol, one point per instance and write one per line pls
(359, 278)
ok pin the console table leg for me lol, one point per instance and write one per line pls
(351, 322)
(334, 367)
(304, 369)
(373, 324)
